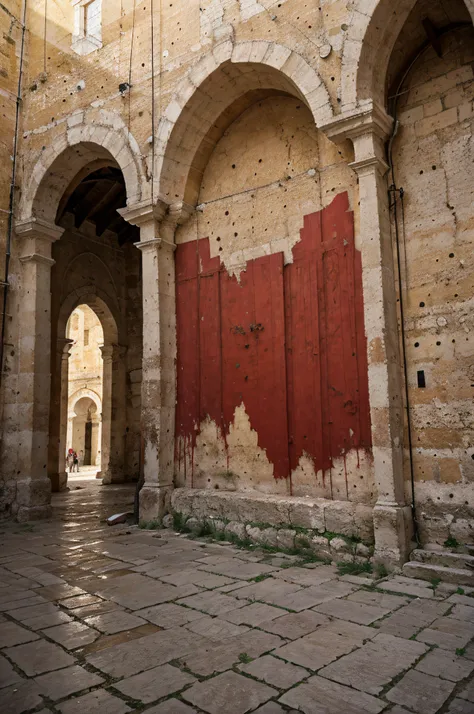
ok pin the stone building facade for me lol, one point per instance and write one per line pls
(269, 207)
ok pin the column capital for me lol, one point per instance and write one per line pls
(113, 352)
(63, 346)
(37, 258)
(154, 243)
(37, 228)
(139, 214)
(369, 119)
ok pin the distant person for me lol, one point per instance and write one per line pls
(75, 462)
(70, 460)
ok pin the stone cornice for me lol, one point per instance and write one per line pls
(37, 258)
(369, 119)
(37, 228)
(366, 166)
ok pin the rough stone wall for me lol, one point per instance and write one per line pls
(434, 155)
(10, 47)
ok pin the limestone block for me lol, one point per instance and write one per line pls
(320, 546)
(339, 517)
(339, 545)
(236, 529)
(286, 538)
(276, 56)
(217, 525)
(223, 51)
(265, 536)
(463, 531)
(308, 514)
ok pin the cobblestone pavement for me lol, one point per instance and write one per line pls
(118, 619)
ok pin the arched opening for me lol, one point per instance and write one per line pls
(430, 89)
(96, 330)
(265, 268)
(85, 387)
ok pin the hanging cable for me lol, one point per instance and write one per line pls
(12, 195)
(152, 172)
(130, 67)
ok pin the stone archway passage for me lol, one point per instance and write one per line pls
(285, 342)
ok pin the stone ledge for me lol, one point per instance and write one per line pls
(317, 514)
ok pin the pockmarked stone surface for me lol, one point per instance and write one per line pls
(163, 634)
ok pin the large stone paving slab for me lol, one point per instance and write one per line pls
(229, 692)
(169, 615)
(62, 683)
(155, 683)
(409, 619)
(326, 644)
(358, 612)
(421, 692)
(147, 652)
(211, 658)
(136, 591)
(38, 657)
(292, 626)
(211, 603)
(320, 696)
(375, 664)
(445, 664)
(171, 706)
(72, 635)
(274, 672)
(7, 673)
(98, 702)
(12, 634)
(448, 633)
(20, 698)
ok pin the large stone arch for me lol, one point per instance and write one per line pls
(373, 30)
(86, 143)
(106, 309)
(213, 94)
(88, 394)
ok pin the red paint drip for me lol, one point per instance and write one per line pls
(287, 341)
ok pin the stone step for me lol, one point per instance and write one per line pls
(444, 558)
(426, 571)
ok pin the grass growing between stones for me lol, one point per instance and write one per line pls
(354, 568)
(245, 658)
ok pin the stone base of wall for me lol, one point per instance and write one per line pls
(319, 515)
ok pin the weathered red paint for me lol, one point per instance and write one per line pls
(286, 341)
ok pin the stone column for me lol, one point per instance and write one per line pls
(157, 228)
(107, 359)
(59, 416)
(368, 129)
(119, 416)
(35, 239)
